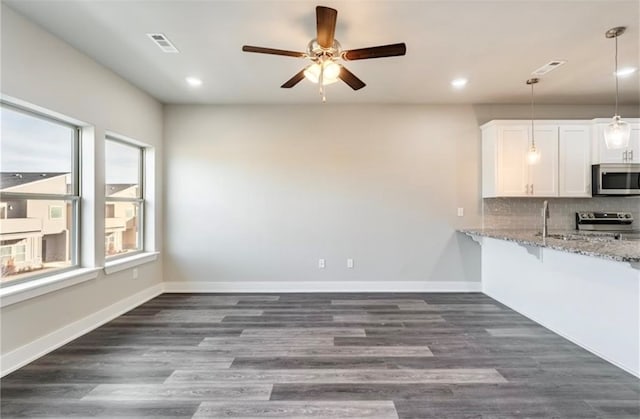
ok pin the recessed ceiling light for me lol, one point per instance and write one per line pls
(194, 81)
(626, 71)
(459, 83)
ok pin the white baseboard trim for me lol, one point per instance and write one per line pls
(39, 347)
(329, 286)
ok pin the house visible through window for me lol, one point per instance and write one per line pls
(124, 202)
(39, 195)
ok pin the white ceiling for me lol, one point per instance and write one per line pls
(495, 44)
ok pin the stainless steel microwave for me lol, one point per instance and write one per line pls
(615, 179)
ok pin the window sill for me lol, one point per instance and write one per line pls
(130, 262)
(13, 294)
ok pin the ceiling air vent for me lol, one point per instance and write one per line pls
(162, 42)
(548, 67)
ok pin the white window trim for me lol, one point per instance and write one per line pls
(13, 294)
(125, 263)
(74, 196)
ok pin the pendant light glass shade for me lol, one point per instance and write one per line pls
(617, 133)
(533, 154)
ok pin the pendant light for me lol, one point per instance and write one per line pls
(616, 134)
(533, 155)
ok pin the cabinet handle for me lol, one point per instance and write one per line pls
(624, 155)
(532, 189)
(631, 155)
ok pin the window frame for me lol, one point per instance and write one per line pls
(74, 196)
(140, 200)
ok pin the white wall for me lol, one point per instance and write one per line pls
(255, 195)
(40, 69)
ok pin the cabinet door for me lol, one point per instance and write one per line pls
(634, 144)
(606, 155)
(543, 176)
(512, 167)
(575, 161)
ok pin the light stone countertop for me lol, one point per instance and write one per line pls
(598, 245)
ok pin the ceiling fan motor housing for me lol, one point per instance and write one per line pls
(314, 50)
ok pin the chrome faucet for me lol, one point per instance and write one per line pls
(545, 218)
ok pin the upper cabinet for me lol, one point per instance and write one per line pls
(543, 176)
(602, 154)
(574, 160)
(563, 169)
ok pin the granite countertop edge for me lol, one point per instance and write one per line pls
(615, 250)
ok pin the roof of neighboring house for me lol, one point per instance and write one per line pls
(113, 188)
(13, 179)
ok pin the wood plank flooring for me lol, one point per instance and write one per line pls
(319, 355)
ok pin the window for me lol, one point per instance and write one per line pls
(124, 202)
(55, 212)
(39, 195)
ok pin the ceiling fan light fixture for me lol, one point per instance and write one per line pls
(330, 73)
(617, 133)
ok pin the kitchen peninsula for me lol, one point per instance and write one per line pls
(586, 289)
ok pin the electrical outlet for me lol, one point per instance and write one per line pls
(350, 263)
(321, 263)
(460, 212)
(135, 273)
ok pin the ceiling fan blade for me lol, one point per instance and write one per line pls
(351, 79)
(391, 50)
(261, 50)
(294, 80)
(326, 25)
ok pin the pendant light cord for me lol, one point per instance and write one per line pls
(615, 74)
(533, 140)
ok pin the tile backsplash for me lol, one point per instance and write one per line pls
(526, 213)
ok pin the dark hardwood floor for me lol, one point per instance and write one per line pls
(321, 356)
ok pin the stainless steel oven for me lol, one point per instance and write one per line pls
(615, 179)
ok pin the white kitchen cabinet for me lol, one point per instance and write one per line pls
(505, 172)
(602, 154)
(512, 173)
(543, 176)
(574, 161)
(563, 169)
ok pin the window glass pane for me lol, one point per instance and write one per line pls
(31, 242)
(36, 155)
(122, 228)
(122, 169)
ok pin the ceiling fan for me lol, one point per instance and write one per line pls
(325, 50)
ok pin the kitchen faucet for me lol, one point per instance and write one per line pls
(545, 217)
